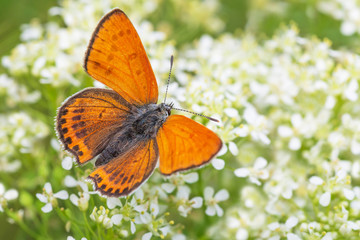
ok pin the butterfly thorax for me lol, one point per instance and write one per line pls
(149, 118)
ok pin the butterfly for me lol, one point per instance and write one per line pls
(123, 127)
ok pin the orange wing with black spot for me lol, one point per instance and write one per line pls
(88, 119)
(185, 144)
(123, 174)
(117, 58)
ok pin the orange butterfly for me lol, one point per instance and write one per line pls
(124, 128)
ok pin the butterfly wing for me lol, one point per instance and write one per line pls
(125, 173)
(117, 58)
(87, 120)
(185, 144)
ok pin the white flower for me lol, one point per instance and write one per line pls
(291, 222)
(82, 200)
(256, 172)
(212, 201)
(84, 197)
(257, 125)
(242, 234)
(218, 164)
(112, 202)
(179, 180)
(233, 148)
(274, 226)
(349, 194)
(72, 238)
(291, 236)
(101, 216)
(6, 196)
(146, 236)
(67, 163)
(145, 216)
(327, 236)
(316, 180)
(325, 199)
(185, 204)
(49, 198)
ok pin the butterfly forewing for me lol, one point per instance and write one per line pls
(117, 58)
(184, 144)
(125, 173)
(88, 119)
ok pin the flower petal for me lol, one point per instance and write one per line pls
(291, 236)
(116, 219)
(233, 148)
(132, 227)
(210, 211)
(48, 187)
(47, 208)
(294, 144)
(260, 163)
(183, 192)
(146, 236)
(219, 210)
(349, 194)
(42, 197)
(112, 202)
(62, 195)
(316, 180)
(69, 181)
(154, 208)
(208, 193)
(291, 222)
(11, 194)
(242, 172)
(191, 177)
(242, 234)
(168, 187)
(67, 163)
(325, 199)
(218, 164)
(197, 202)
(222, 195)
(2, 189)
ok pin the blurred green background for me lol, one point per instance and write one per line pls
(15, 13)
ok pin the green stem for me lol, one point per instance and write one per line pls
(23, 226)
(88, 226)
(65, 218)
(99, 231)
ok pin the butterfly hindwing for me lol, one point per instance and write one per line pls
(123, 174)
(184, 144)
(88, 119)
(117, 58)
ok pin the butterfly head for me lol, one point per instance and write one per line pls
(166, 108)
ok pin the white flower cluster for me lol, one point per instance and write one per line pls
(298, 139)
(348, 12)
(19, 133)
(6, 195)
(52, 55)
(15, 93)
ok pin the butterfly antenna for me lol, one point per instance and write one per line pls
(184, 110)
(172, 104)
(168, 81)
